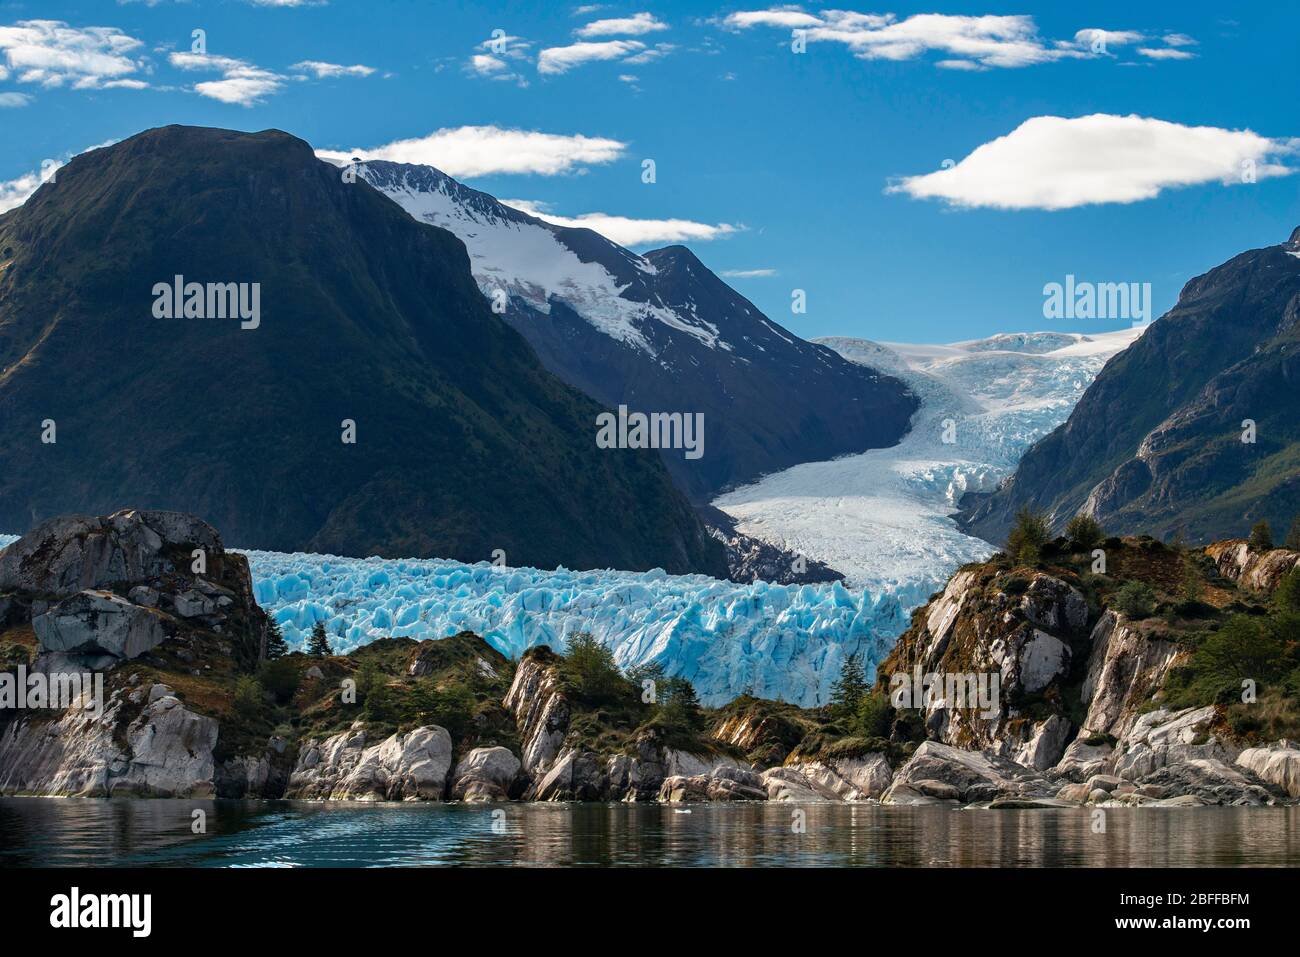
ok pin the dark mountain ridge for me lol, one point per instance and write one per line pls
(464, 443)
(660, 332)
(1192, 431)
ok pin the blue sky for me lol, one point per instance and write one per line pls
(786, 160)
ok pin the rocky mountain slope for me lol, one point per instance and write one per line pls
(1102, 701)
(659, 332)
(1156, 442)
(367, 320)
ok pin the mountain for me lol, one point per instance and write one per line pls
(1155, 444)
(659, 332)
(464, 444)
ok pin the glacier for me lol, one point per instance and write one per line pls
(882, 517)
(776, 641)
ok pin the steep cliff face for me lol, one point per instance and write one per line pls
(1084, 679)
(110, 598)
(1193, 429)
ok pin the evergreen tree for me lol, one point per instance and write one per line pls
(681, 706)
(318, 646)
(1028, 536)
(276, 646)
(1261, 537)
(849, 687)
(1084, 532)
(1293, 536)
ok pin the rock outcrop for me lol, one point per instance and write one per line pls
(143, 743)
(486, 774)
(938, 772)
(1260, 571)
(403, 767)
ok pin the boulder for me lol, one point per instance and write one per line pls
(1045, 745)
(485, 774)
(971, 775)
(576, 775)
(74, 553)
(99, 623)
(1053, 605)
(403, 767)
(1276, 764)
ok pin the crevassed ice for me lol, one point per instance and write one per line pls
(775, 641)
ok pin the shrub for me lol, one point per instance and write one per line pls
(1028, 536)
(1287, 597)
(249, 698)
(874, 716)
(1084, 532)
(1136, 600)
(1293, 536)
(1261, 537)
(280, 678)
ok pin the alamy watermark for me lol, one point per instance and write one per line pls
(958, 691)
(37, 690)
(1105, 300)
(653, 430)
(179, 299)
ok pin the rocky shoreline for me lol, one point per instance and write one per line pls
(1080, 720)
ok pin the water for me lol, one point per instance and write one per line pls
(88, 833)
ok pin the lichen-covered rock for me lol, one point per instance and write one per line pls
(722, 783)
(1051, 604)
(403, 767)
(73, 553)
(1125, 667)
(144, 743)
(485, 774)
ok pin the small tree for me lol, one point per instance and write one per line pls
(1028, 536)
(1293, 536)
(318, 646)
(681, 706)
(874, 716)
(249, 698)
(1192, 586)
(1136, 600)
(1261, 537)
(1084, 531)
(590, 666)
(848, 688)
(276, 646)
(1286, 598)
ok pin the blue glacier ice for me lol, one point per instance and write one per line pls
(777, 641)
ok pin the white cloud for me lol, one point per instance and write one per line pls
(15, 192)
(1165, 53)
(1051, 162)
(329, 70)
(981, 41)
(54, 54)
(468, 151)
(650, 54)
(485, 65)
(747, 273)
(11, 100)
(242, 83)
(627, 231)
(1179, 40)
(493, 62)
(633, 26)
(554, 60)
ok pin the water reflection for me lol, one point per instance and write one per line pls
(42, 832)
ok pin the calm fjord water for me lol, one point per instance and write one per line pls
(87, 833)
